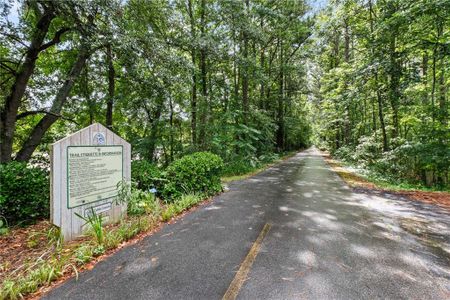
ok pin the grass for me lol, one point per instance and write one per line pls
(231, 178)
(370, 178)
(60, 259)
(391, 184)
(256, 170)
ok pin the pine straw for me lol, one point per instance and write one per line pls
(21, 247)
(441, 199)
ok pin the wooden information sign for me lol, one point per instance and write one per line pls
(85, 169)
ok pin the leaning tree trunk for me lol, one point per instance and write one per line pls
(8, 115)
(35, 138)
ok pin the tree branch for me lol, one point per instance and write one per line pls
(36, 112)
(6, 67)
(56, 39)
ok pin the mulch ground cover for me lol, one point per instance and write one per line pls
(24, 246)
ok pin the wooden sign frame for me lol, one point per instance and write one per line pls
(61, 215)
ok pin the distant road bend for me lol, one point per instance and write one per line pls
(294, 231)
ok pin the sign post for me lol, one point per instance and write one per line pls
(85, 170)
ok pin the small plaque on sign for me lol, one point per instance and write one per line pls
(98, 209)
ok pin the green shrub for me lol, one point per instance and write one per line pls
(24, 193)
(345, 153)
(238, 167)
(138, 201)
(146, 175)
(195, 173)
(141, 202)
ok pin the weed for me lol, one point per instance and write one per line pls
(112, 239)
(128, 229)
(83, 254)
(138, 202)
(45, 271)
(4, 229)
(55, 237)
(169, 212)
(33, 240)
(98, 250)
(95, 221)
(10, 290)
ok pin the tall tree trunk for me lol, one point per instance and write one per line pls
(443, 116)
(87, 94)
(394, 92)
(194, 76)
(111, 87)
(336, 40)
(347, 120)
(425, 77)
(203, 75)
(443, 112)
(377, 87)
(245, 104)
(154, 119)
(235, 74)
(433, 84)
(225, 93)
(381, 115)
(35, 137)
(346, 42)
(262, 83)
(8, 114)
(280, 109)
(374, 118)
(172, 131)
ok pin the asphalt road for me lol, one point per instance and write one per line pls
(325, 242)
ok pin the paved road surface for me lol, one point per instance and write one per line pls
(326, 242)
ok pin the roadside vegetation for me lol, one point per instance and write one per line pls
(381, 94)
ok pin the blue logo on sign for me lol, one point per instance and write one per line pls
(99, 138)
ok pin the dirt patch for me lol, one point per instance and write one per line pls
(438, 198)
(441, 199)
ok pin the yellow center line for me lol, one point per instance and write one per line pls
(241, 275)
